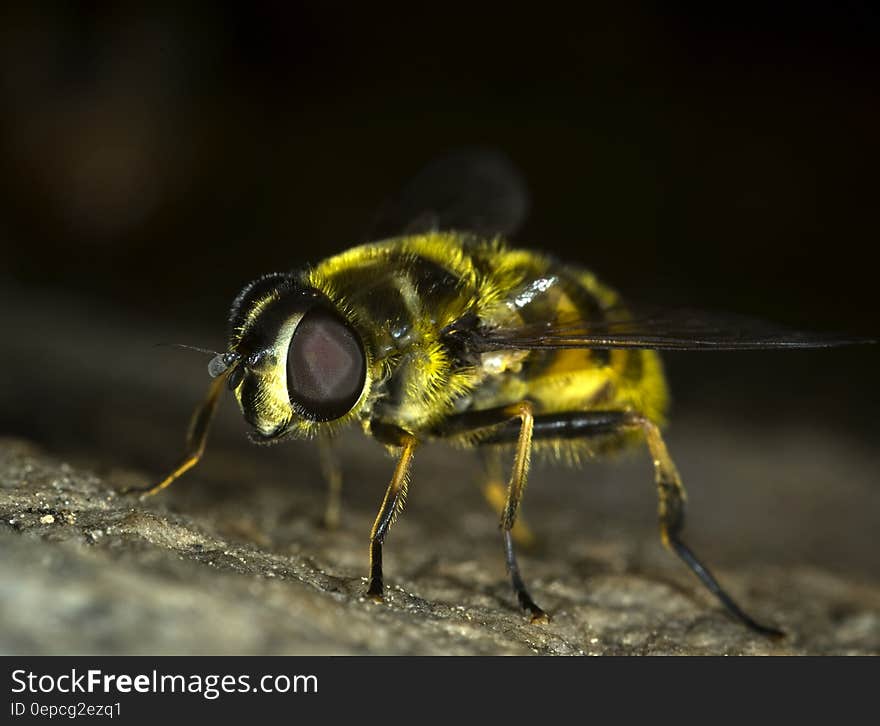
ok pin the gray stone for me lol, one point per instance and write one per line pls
(211, 567)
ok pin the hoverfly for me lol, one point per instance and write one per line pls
(441, 331)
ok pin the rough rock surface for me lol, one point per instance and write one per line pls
(214, 568)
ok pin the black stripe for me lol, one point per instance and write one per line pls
(589, 307)
(568, 425)
(251, 293)
(634, 368)
(576, 425)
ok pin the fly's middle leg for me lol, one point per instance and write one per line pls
(505, 424)
(494, 490)
(518, 476)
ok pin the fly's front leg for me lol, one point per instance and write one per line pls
(392, 506)
(196, 437)
(332, 474)
(671, 508)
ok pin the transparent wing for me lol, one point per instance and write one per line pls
(470, 190)
(674, 329)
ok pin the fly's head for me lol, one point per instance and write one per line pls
(295, 363)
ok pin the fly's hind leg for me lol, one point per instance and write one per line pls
(671, 509)
(196, 437)
(599, 424)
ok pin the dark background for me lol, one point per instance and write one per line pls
(153, 160)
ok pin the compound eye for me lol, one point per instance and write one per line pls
(326, 366)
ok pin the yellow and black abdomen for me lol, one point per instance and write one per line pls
(404, 295)
(561, 380)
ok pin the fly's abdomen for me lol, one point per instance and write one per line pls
(551, 293)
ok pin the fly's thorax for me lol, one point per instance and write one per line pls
(300, 363)
(404, 293)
